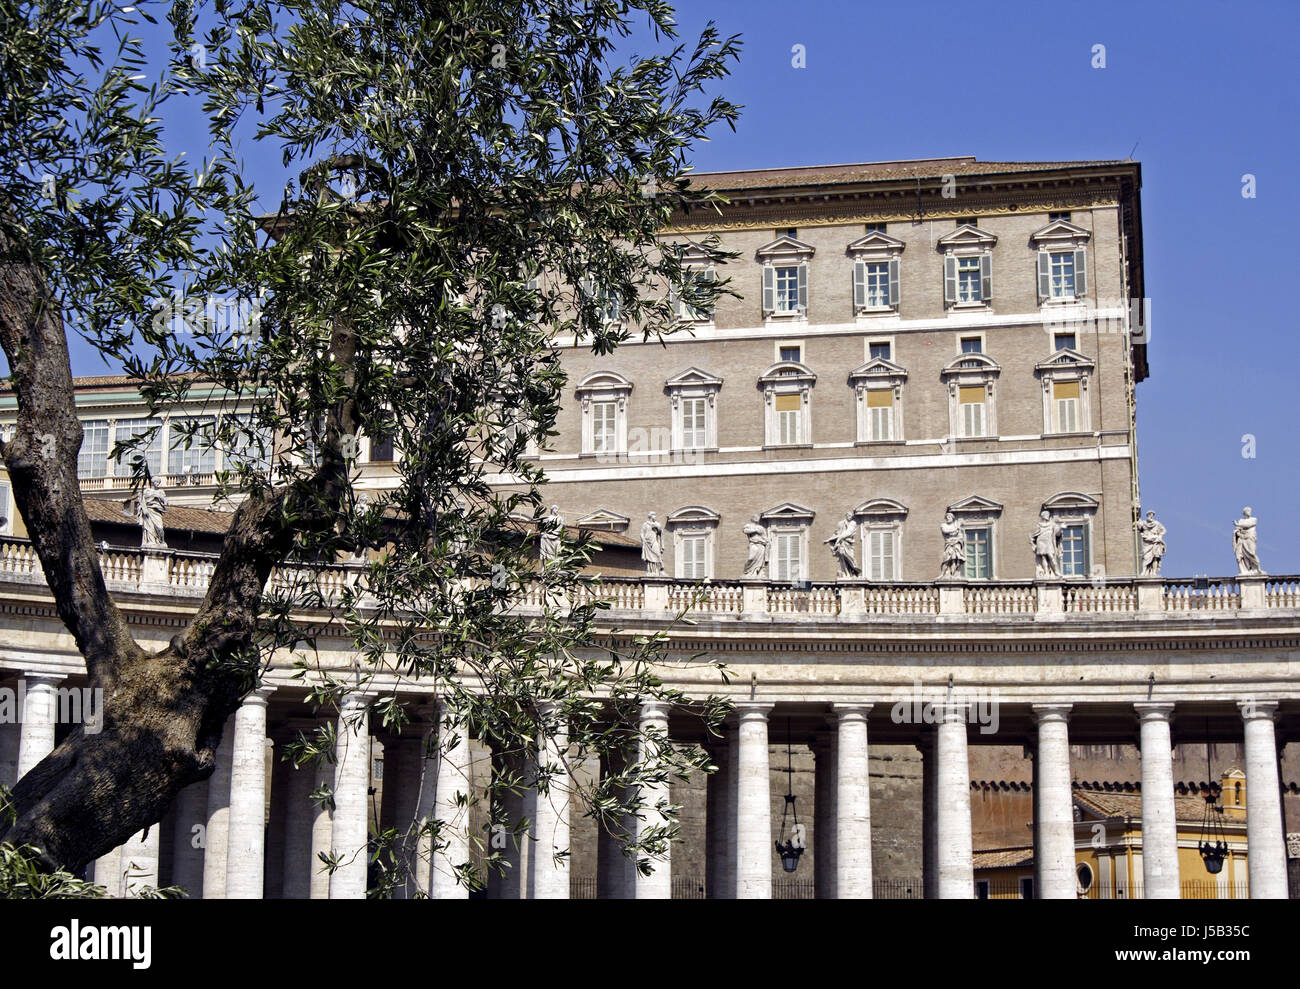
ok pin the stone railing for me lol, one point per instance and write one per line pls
(188, 574)
(127, 482)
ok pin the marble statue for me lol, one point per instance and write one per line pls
(954, 547)
(552, 531)
(1152, 534)
(841, 544)
(1046, 541)
(1244, 543)
(150, 507)
(652, 545)
(757, 547)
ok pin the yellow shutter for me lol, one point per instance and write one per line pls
(880, 398)
(971, 394)
(1065, 389)
(787, 403)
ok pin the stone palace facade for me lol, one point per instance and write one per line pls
(895, 484)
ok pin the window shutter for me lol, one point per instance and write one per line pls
(769, 290)
(986, 277)
(1080, 272)
(950, 279)
(1044, 275)
(673, 299)
(893, 281)
(803, 287)
(1087, 551)
(786, 403)
(859, 284)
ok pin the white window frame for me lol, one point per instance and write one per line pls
(86, 453)
(154, 451)
(1074, 508)
(597, 388)
(876, 248)
(784, 252)
(969, 371)
(688, 386)
(1058, 238)
(693, 522)
(7, 509)
(1062, 367)
(876, 375)
(966, 245)
(788, 521)
(785, 379)
(977, 512)
(876, 517)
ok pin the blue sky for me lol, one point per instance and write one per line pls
(1201, 93)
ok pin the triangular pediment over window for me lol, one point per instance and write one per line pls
(1060, 233)
(603, 518)
(689, 253)
(787, 511)
(1066, 360)
(876, 242)
(785, 249)
(693, 376)
(878, 367)
(976, 504)
(966, 236)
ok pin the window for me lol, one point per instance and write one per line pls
(787, 558)
(251, 445)
(971, 399)
(1055, 215)
(701, 313)
(603, 397)
(6, 523)
(1026, 887)
(876, 263)
(880, 414)
(968, 280)
(1062, 260)
(970, 221)
(694, 431)
(972, 345)
(792, 353)
(981, 889)
(787, 289)
(1060, 274)
(694, 397)
(877, 228)
(150, 450)
(605, 301)
(604, 427)
(92, 458)
(791, 232)
(381, 450)
(1066, 396)
(877, 283)
(1064, 341)
(789, 415)
(979, 553)
(879, 349)
(692, 553)
(880, 554)
(192, 453)
(1074, 550)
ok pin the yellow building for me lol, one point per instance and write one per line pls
(1108, 846)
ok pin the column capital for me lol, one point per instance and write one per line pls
(1154, 710)
(953, 711)
(1051, 712)
(844, 711)
(259, 695)
(41, 677)
(1257, 710)
(753, 710)
(653, 710)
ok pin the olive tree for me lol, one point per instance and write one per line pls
(465, 184)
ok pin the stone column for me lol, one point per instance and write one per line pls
(188, 840)
(215, 832)
(852, 804)
(349, 842)
(451, 773)
(246, 831)
(322, 831)
(550, 875)
(1159, 827)
(140, 861)
(654, 726)
(39, 717)
(929, 814)
(1054, 805)
(106, 871)
(824, 816)
(754, 847)
(715, 820)
(953, 840)
(1265, 840)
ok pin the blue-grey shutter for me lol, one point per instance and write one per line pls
(672, 298)
(1044, 275)
(986, 276)
(1087, 549)
(859, 284)
(769, 290)
(709, 275)
(949, 279)
(803, 287)
(894, 295)
(1080, 273)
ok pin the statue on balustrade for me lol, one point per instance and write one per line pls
(1152, 534)
(954, 547)
(1046, 541)
(841, 544)
(652, 545)
(1245, 545)
(551, 529)
(150, 506)
(757, 536)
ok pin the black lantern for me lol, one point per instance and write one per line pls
(1212, 846)
(791, 849)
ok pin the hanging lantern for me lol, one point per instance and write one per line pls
(791, 849)
(1212, 846)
